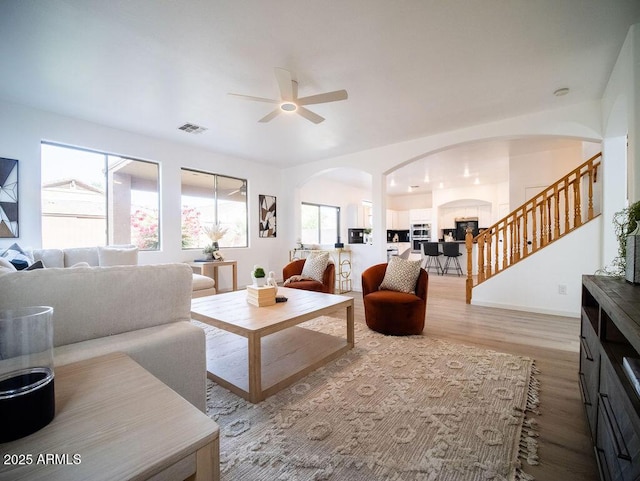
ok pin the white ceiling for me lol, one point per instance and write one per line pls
(412, 68)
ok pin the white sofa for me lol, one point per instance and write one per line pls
(96, 256)
(144, 311)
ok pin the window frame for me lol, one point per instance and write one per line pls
(216, 177)
(108, 187)
(320, 206)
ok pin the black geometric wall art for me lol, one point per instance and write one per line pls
(268, 216)
(8, 198)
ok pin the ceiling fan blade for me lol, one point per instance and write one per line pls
(285, 82)
(309, 115)
(323, 98)
(270, 116)
(257, 99)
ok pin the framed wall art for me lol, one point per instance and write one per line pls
(267, 215)
(8, 198)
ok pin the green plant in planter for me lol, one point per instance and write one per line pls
(624, 222)
(258, 272)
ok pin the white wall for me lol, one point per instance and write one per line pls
(533, 283)
(529, 174)
(408, 202)
(621, 146)
(576, 121)
(22, 129)
(321, 190)
(493, 194)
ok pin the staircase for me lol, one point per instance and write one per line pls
(553, 213)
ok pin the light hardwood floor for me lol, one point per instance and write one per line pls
(564, 444)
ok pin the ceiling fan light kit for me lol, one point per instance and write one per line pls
(288, 106)
(289, 101)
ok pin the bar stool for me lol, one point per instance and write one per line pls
(451, 251)
(431, 253)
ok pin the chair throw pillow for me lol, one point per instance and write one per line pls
(118, 256)
(401, 275)
(315, 265)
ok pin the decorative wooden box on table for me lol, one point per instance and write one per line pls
(609, 341)
(261, 296)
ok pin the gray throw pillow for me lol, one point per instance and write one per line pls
(401, 275)
(315, 265)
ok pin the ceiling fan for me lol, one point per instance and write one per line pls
(289, 101)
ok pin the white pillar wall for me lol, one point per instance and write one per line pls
(614, 193)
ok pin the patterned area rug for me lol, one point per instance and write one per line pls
(393, 408)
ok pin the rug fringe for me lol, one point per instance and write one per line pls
(528, 448)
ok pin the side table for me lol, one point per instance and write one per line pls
(210, 269)
(114, 420)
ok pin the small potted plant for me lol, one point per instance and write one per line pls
(258, 276)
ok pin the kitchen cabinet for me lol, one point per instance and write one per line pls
(358, 216)
(392, 219)
(403, 220)
(417, 216)
(448, 215)
(398, 219)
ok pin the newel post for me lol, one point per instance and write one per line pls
(468, 241)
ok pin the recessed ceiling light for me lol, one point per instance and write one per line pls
(561, 92)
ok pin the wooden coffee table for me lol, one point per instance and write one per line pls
(114, 420)
(264, 349)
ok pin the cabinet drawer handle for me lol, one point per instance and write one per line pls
(585, 348)
(583, 389)
(614, 429)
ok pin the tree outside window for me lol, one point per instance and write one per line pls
(209, 199)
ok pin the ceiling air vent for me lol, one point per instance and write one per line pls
(192, 128)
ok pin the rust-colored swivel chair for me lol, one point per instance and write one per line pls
(294, 268)
(391, 312)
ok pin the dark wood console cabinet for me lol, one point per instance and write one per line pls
(610, 331)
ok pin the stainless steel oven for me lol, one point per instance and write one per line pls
(419, 233)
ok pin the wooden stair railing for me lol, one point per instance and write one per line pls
(546, 217)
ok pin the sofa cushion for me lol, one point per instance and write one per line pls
(80, 254)
(174, 353)
(200, 282)
(91, 302)
(117, 256)
(49, 257)
(401, 275)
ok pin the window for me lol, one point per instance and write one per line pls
(209, 199)
(320, 224)
(92, 198)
